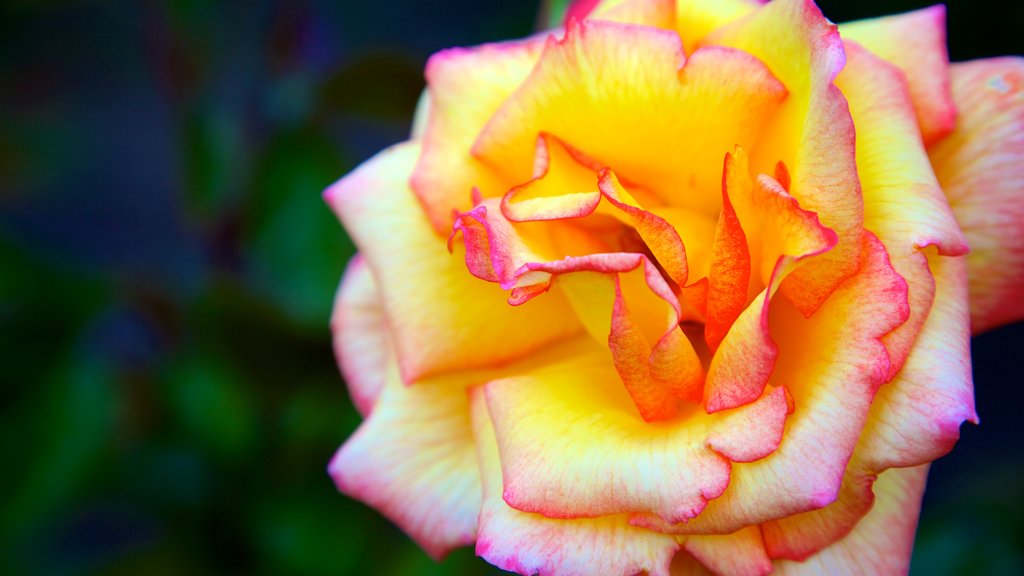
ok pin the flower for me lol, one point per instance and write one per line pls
(681, 286)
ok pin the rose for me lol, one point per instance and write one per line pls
(642, 355)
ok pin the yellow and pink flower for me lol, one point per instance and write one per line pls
(680, 287)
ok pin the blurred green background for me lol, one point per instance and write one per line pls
(168, 394)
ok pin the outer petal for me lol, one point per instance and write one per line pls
(882, 542)
(441, 317)
(979, 166)
(362, 344)
(916, 43)
(916, 418)
(413, 459)
(628, 76)
(465, 87)
(903, 203)
(533, 544)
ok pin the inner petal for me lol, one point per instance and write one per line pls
(661, 120)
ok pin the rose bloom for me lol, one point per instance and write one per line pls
(681, 287)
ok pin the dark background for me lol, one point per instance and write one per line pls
(168, 394)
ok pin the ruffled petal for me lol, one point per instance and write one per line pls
(628, 76)
(413, 460)
(534, 544)
(624, 301)
(661, 237)
(744, 362)
(465, 86)
(561, 187)
(495, 247)
(820, 149)
(799, 536)
(729, 274)
(573, 446)
(832, 385)
(979, 166)
(659, 375)
(903, 203)
(753, 431)
(916, 418)
(786, 230)
(882, 541)
(362, 344)
(741, 367)
(441, 317)
(916, 43)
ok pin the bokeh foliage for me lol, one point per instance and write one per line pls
(168, 397)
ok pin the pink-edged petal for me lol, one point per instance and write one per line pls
(441, 317)
(812, 133)
(659, 235)
(495, 247)
(745, 360)
(799, 536)
(572, 445)
(787, 230)
(729, 275)
(465, 86)
(623, 300)
(916, 418)
(832, 384)
(979, 166)
(741, 553)
(656, 376)
(362, 344)
(656, 13)
(903, 203)
(882, 541)
(626, 77)
(414, 460)
(533, 544)
(915, 42)
(607, 264)
(751, 432)
(562, 187)
(743, 364)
